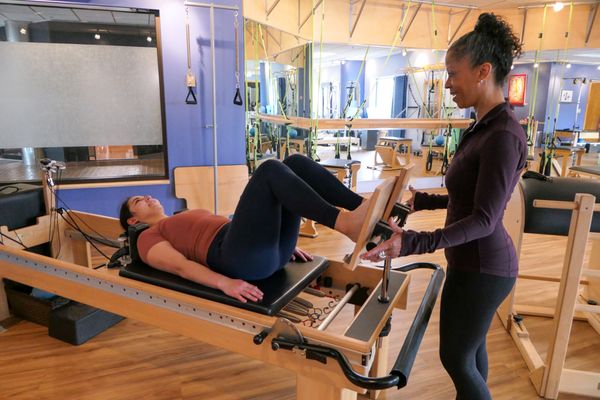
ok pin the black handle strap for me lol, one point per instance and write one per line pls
(237, 99)
(191, 97)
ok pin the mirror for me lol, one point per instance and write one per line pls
(81, 86)
(276, 85)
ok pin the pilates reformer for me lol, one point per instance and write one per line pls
(328, 365)
(564, 207)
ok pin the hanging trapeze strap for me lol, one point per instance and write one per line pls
(190, 79)
(237, 99)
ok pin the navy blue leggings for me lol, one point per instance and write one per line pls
(469, 302)
(262, 235)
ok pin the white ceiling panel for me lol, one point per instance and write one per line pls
(95, 16)
(131, 18)
(56, 14)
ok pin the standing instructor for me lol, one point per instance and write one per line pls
(482, 262)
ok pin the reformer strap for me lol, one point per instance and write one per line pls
(237, 99)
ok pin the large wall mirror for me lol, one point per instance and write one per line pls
(277, 84)
(82, 86)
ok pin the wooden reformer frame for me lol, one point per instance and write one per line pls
(393, 152)
(549, 377)
(218, 324)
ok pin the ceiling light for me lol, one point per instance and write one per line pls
(568, 65)
(404, 52)
(149, 39)
(97, 36)
(536, 65)
(23, 31)
(558, 6)
(598, 67)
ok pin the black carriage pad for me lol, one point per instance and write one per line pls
(278, 289)
(551, 221)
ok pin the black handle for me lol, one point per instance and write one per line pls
(407, 355)
(237, 99)
(400, 372)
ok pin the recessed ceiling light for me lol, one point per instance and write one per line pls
(97, 36)
(568, 65)
(558, 6)
(23, 31)
(536, 65)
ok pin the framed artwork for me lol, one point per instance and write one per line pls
(566, 96)
(516, 89)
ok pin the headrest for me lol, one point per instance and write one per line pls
(551, 221)
(134, 232)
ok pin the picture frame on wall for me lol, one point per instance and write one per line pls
(566, 96)
(517, 85)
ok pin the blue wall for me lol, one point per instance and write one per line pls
(552, 79)
(564, 81)
(542, 90)
(349, 72)
(189, 140)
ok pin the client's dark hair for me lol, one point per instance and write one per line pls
(492, 40)
(125, 214)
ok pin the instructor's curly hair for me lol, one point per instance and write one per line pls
(492, 40)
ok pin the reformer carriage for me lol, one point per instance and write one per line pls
(328, 365)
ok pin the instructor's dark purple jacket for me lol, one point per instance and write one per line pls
(480, 181)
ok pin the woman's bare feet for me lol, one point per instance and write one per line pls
(350, 222)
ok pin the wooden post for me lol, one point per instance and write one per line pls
(4, 313)
(581, 220)
(593, 287)
(380, 363)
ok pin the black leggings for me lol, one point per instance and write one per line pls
(262, 235)
(469, 301)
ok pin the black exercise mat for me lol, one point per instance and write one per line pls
(279, 289)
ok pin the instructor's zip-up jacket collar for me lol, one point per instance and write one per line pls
(480, 180)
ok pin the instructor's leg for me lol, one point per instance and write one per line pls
(468, 304)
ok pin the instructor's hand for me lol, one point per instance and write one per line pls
(389, 248)
(411, 201)
(240, 290)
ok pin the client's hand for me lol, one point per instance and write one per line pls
(240, 290)
(389, 248)
(301, 255)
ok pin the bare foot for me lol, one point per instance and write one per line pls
(350, 222)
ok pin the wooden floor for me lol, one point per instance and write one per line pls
(134, 361)
(16, 171)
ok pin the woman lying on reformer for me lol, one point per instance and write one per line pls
(261, 236)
